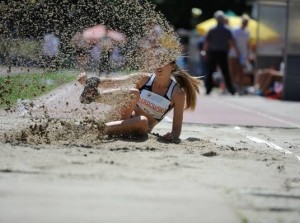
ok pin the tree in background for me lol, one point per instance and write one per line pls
(178, 12)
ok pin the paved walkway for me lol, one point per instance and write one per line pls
(244, 110)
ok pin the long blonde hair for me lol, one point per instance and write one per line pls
(190, 85)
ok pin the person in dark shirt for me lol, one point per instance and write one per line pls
(218, 41)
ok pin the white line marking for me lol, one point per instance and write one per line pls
(270, 144)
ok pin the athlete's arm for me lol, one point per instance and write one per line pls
(128, 81)
(134, 79)
(179, 103)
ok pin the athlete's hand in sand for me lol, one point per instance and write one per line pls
(81, 78)
(169, 137)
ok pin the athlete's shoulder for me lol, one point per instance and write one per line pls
(178, 91)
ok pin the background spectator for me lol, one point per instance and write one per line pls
(240, 65)
(217, 44)
(50, 50)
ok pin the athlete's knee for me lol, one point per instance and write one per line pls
(144, 124)
(134, 93)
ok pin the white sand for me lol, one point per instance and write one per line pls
(216, 174)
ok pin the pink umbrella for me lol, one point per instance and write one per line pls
(117, 36)
(94, 33)
(97, 32)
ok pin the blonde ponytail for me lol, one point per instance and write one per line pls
(190, 85)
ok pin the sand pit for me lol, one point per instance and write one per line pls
(79, 175)
(57, 166)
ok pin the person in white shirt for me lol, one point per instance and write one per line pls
(238, 64)
(50, 50)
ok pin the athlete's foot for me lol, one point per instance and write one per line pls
(90, 91)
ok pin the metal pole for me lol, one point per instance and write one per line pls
(285, 50)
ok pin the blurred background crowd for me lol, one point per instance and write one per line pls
(259, 52)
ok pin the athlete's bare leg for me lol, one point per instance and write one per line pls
(123, 101)
(136, 125)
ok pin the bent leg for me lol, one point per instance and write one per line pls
(211, 66)
(223, 62)
(264, 80)
(123, 102)
(135, 125)
(128, 108)
(233, 70)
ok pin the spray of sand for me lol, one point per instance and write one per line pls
(149, 41)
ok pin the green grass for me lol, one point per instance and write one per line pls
(29, 86)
